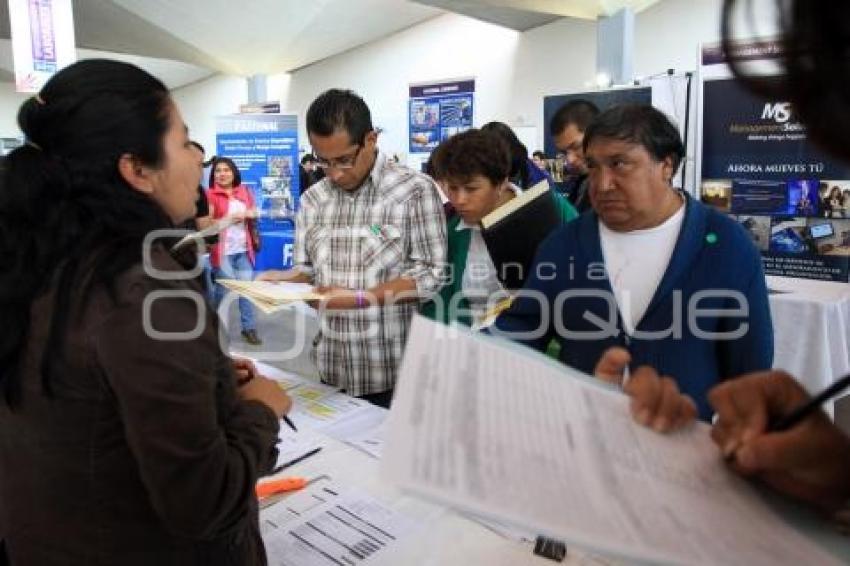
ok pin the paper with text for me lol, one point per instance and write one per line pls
(364, 431)
(502, 432)
(329, 527)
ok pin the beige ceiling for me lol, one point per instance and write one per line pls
(183, 41)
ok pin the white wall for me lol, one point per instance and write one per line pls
(10, 102)
(513, 71)
(668, 34)
(201, 102)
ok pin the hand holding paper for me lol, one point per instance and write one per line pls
(501, 431)
(655, 400)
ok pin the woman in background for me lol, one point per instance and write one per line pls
(125, 435)
(233, 257)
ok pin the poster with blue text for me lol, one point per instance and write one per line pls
(265, 149)
(42, 40)
(758, 166)
(438, 111)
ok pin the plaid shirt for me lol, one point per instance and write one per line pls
(392, 227)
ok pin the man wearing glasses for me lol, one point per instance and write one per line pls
(567, 128)
(371, 236)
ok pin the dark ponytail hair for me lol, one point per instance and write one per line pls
(519, 153)
(68, 220)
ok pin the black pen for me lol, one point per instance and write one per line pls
(301, 458)
(794, 417)
(289, 423)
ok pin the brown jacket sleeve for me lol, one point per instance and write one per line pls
(198, 448)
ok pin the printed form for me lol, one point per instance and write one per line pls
(327, 526)
(489, 428)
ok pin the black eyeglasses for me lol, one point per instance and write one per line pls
(344, 162)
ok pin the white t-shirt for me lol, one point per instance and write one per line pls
(235, 236)
(636, 262)
(479, 276)
(480, 281)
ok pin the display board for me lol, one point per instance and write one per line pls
(758, 165)
(265, 148)
(439, 110)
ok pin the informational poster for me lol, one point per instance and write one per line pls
(758, 165)
(437, 111)
(265, 149)
(42, 40)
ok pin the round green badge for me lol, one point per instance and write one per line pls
(711, 238)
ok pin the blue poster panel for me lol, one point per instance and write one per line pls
(759, 166)
(438, 111)
(265, 148)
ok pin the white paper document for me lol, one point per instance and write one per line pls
(329, 527)
(364, 430)
(317, 406)
(495, 430)
(292, 445)
(211, 230)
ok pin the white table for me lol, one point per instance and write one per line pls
(811, 323)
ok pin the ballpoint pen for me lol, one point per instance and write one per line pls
(794, 417)
(289, 423)
(294, 461)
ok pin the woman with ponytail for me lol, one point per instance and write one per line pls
(125, 436)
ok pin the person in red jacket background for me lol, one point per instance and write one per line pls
(233, 256)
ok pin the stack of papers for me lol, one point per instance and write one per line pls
(321, 408)
(270, 296)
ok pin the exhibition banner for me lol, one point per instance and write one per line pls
(439, 110)
(42, 40)
(758, 165)
(265, 149)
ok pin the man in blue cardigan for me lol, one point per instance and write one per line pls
(677, 284)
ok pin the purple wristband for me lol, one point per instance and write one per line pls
(360, 299)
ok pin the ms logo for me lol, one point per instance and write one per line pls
(779, 112)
